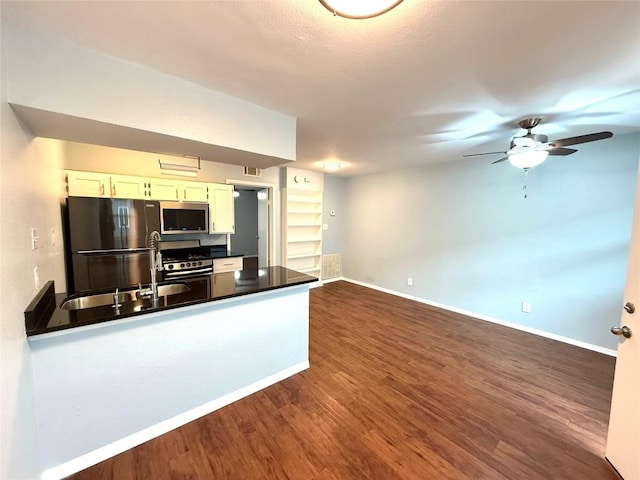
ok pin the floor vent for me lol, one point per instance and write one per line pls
(251, 172)
(331, 266)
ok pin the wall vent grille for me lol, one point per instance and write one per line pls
(251, 172)
(331, 266)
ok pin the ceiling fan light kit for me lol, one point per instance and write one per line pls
(532, 149)
(529, 159)
(359, 9)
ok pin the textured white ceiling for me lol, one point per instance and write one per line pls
(427, 82)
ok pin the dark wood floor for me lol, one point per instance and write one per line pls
(400, 390)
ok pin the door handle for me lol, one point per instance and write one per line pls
(629, 307)
(624, 331)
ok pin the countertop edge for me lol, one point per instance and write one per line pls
(41, 332)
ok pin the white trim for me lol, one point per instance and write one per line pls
(336, 279)
(274, 208)
(478, 316)
(135, 439)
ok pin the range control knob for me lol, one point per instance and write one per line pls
(170, 267)
(182, 265)
(199, 263)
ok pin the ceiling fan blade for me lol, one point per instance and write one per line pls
(501, 160)
(487, 153)
(562, 151)
(592, 137)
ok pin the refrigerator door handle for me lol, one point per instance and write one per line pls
(112, 251)
(123, 217)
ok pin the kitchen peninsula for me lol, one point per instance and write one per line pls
(109, 381)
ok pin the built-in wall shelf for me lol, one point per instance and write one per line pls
(302, 229)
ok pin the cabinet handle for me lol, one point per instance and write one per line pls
(177, 194)
(102, 189)
(185, 193)
(113, 191)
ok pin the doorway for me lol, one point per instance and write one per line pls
(253, 223)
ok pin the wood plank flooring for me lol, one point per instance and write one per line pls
(400, 390)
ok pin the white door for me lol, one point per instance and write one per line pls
(263, 227)
(623, 440)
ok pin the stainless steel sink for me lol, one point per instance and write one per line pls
(99, 300)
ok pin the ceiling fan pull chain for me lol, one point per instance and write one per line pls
(526, 176)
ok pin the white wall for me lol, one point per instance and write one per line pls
(59, 82)
(465, 234)
(29, 197)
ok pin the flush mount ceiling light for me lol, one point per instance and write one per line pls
(331, 166)
(359, 9)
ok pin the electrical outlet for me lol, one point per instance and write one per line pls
(36, 277)
(526, 307)
(325, 226)
(410, 281)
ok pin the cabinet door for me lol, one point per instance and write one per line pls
(221, 208)
(162, 189)
(125, 186)
(193, 192)
(88, 184)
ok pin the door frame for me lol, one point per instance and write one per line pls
(272, 206)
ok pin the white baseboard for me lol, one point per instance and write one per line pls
(535, 331)
(133, 440)
(334, 279)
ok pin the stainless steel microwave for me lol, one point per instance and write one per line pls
(184, 217)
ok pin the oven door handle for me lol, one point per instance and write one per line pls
(184, 273)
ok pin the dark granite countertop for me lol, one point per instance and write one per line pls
(44, 315)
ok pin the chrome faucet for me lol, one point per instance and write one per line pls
(155, 259)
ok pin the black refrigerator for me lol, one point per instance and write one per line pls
(107, 242)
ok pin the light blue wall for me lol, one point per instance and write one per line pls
(333, 199)
(465, 234)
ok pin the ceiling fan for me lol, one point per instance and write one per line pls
(532, 149)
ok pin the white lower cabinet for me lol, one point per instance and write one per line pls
(229, 264)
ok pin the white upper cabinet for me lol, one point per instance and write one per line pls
(221, 208)
(218, 196)
(126, 186)
(163, 189)
(178, 191)
(88, 184)
(193, 192)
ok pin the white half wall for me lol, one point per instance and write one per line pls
(101, 384)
